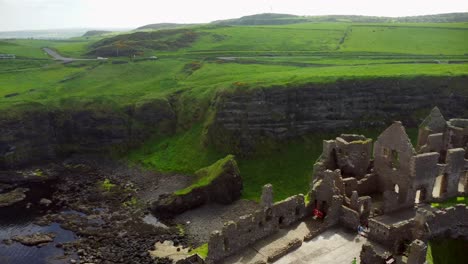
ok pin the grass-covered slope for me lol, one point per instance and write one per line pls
(137, 43)
(196, 64)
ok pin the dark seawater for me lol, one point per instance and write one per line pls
(18, 220)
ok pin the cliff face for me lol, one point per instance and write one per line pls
(36, 133)
(242, 117)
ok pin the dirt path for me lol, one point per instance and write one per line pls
(59, 57)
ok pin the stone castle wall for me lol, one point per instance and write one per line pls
(451, 222)
(349, 218)
(250, 228)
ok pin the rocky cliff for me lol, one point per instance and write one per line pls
(34, 132)
(238, 118)
(242, 117)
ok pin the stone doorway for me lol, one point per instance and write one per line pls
(420, 196)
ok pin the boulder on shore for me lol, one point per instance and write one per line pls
(12, 197)
(34, 239)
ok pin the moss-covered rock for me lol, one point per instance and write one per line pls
(218, 183)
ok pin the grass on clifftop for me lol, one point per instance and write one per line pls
(208, 174)
(281, 55)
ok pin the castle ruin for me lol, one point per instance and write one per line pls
(386, 185)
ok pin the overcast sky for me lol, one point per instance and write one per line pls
(53, 14)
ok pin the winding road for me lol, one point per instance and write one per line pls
(54, 54)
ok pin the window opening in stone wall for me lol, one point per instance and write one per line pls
(226, 244)
(420, 196)
(395, 163)
(280, 220)
(436, 189)
(268, 214)
(444, 184)
(442, 156)
(324, 207)
(463, 182)
(396, 188)
(385, 152)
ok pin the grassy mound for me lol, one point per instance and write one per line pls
(206, 176)
(140, 42)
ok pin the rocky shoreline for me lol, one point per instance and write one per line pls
(104, 204)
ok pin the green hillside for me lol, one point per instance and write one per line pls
(196, 62)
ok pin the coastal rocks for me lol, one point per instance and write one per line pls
(218, 183)
(12, 197)
(105, 228)
(45, 202)
(35, 239)
(27, 176)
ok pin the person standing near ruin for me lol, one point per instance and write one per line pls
(354, 261)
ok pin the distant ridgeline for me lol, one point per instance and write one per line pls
(278, 19)
(93, 33)
(283, 19)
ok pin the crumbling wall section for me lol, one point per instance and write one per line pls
(368, 184)
(454, 169)
(390, 235)
(393, 153)
(458, 131)
(432, 124)
(425, 170)
(369, 255)
(250, 228)
(349, 218)
(353, 154)
(451, 222)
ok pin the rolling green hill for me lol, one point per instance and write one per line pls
(159, 26)
(281, 19)
(197, 63)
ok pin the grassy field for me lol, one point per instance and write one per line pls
(261, 56)
(418, 40)
(134, 81)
